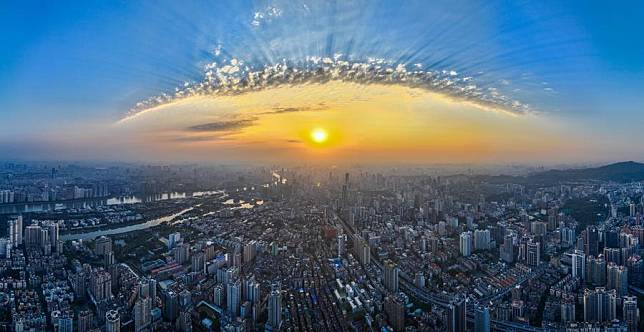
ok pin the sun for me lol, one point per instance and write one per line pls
(319, 135)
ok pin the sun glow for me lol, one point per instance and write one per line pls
(335, 121)
(319, 135)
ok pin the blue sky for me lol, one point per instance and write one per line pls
(77, 62)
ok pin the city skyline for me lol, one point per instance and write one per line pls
(422, 83)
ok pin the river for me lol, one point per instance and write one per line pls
(124, 229)
(16, 208)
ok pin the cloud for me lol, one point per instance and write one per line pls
(222, 126)
(235, 77)
(191, 139)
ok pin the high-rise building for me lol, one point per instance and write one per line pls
(613, 255)
(185, 322)
(198, 262)
(85, 320)
(482, 239)
(182, 253)
(568, 236)
(631, 313)
(54, 233)
(599, 305)
(363, 251)
(579, 265)
(567, 312)
(233, 297)
(15, 231)
(456, 315)
(100, 285)
(507, 249)
(341, 244)
(596, 270)
(275, 308)
(5, 247)
(219, 296)
(419, 279)
(170, 305)
(391, 271)
(466, 243)
(617, 279)
(173, 240)
(78, 284)
(66, 323)
(591, 241)
(635, 266)
(251, 291)
(112, 321)
(395, 311)
(33, 236)
(482, 319)
(250, 251)
(533, 253)
(103, 245)
(142, 313)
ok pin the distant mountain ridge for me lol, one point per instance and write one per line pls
(626, 171)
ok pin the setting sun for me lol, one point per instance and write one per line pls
(319, 135)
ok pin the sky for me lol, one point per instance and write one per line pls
(419, 81)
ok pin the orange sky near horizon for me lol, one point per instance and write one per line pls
(367, 123)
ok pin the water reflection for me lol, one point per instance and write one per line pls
(90, 203)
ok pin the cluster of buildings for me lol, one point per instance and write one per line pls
(309, 249)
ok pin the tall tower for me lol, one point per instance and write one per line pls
(142, 315)
(112, 321)
(233, 297)
(391, 275)
(456, 314)
(275, 307)
(579, 265)
(534, 254)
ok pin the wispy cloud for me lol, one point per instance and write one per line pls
(222, 126)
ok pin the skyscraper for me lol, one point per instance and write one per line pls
(466, 243)
(85, 319)
(233, 297)
(482, 319)
(630, 313)
(112, 321)
(142, 313)
(482, 239)
(567, 312)
(275, 307)
(456, 315)
(534, 253)
(54, 233)
(66, 323)
(391, 271)
(395, 311)
(250, 250)
(507, 249)
(579, 265)
(100, 283)
(170, 305)
(599, 305)
(103, 245)
(591, 241)
(173, 240)
(617, 279)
